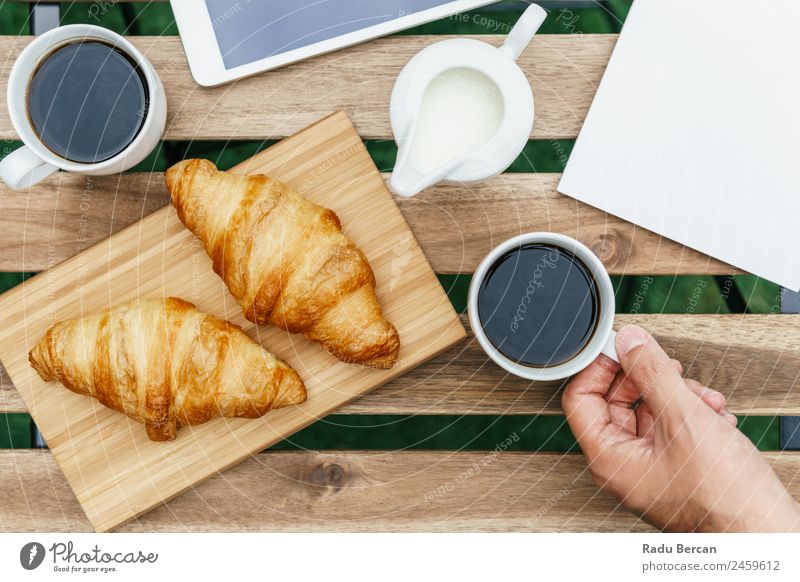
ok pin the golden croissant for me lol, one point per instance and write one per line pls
(285, 260)
(166, 364)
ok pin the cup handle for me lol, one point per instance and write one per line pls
(21, 169)
(523, 31)
(609, 349)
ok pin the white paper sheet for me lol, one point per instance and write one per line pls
(695, 131)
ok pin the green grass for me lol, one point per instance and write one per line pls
(663, 294)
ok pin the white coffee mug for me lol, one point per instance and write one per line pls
(602, 340)
(33, 162)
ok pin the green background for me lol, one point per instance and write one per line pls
(667, 294)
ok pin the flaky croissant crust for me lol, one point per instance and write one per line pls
(166, 364)
(285, 260)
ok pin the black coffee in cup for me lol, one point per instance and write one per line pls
(87, 101)
(539, 305)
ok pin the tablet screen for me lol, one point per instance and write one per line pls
(251, 30)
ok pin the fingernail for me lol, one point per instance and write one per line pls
(630, 337)
(713, 398)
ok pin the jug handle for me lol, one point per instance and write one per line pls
(523, 31)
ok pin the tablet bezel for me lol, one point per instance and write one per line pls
(205, 60)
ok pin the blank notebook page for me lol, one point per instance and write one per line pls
(695, 131)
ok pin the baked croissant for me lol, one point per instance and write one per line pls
(285, 260)
(166, 364)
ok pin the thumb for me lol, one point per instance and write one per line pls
(652, 370)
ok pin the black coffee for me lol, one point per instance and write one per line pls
(539, 305)
(87, 101)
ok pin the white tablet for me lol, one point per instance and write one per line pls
(228, 39)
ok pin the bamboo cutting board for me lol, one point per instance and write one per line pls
(116, 472)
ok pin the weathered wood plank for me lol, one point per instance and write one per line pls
(456, 225)
(353, 491)
(564, 71)
(752, 359)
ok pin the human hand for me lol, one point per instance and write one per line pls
(676, 458)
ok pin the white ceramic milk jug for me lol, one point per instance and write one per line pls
(462, 109)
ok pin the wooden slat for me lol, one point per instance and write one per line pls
(353, 491)
(564, 71)
(753, 359)
(456, 225)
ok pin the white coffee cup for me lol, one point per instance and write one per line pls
(34, 161)
(602, 340)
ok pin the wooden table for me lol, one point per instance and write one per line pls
(753, 359)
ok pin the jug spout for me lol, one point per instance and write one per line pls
(407, 181)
